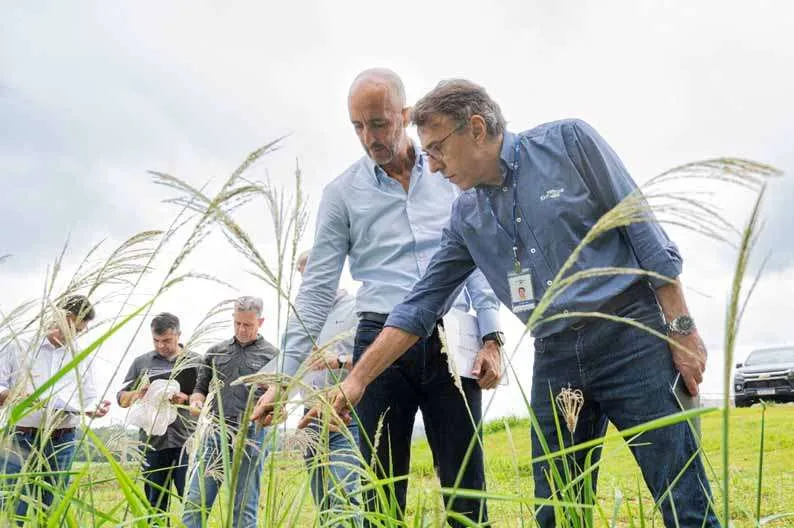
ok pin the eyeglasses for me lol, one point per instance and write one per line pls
(434, 151)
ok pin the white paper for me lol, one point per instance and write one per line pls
(463, 340)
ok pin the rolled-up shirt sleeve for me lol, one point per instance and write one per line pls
(89, 391)
(204, 375)
(484, 302)
(608, 179)
(129, 380)
(318, 288)
(433, 294)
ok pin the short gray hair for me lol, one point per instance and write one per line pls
(247, 303)
(459, 100)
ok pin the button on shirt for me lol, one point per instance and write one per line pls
(152, 365)
(568, 178)
(227, 361)
(390, 236)
(76, 390)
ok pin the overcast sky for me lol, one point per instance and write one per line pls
(94, 94)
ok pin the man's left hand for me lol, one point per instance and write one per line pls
(101, 410)
(691, 362)
(342, 402)
(268, 410)
(488, 365)
(179, 398)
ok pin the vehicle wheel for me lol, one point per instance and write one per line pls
(743, 403)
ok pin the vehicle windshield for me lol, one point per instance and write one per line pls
(771, 356)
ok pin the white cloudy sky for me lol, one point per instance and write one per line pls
(93, 94)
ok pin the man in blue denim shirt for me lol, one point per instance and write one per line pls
(387, 213)
(528, 201)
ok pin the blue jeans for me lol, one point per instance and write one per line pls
(205, 481)
(420, 379)
(32, 453)
(163, 467)
(625, 375)
(334, 480)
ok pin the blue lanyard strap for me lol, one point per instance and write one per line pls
(514, 167)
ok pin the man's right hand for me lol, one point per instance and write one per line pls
(323, 361)
(196, 404)
(265, 411)
(342, 401)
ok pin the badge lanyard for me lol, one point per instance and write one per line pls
(516, 261)
(519, 280)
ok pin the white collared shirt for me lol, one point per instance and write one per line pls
(33, 366)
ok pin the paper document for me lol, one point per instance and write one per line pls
(463, 340)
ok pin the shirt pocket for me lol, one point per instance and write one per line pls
(222, 365)
(253, 363)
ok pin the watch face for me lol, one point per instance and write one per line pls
(684, 324)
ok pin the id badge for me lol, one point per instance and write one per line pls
(521, 293)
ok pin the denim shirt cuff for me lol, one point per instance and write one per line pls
(412, 319)
(664, 264)
(488, 321)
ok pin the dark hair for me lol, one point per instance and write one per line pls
(459, 100)
(163, 322)
(79, 306)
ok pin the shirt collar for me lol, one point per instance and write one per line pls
(379, 174)
(505, 156)
(256, 342)
(156, 355)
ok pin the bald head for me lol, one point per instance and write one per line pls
(380, 77)
(376, 103)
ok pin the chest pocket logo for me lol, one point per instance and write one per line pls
(552, 194)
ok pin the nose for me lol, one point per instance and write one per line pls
(435, 165)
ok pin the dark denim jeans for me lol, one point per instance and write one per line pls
(625, 375)
(35, 454)
(162, 468)
(206, 480)
(420, 380)
(334, 473)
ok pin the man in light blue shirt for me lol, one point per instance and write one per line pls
(332, 461)
(528, 201)
(386, 213)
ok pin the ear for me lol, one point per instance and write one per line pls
(407, 112)
(479, 129)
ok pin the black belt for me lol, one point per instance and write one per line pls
(373, 316)
(55, 434)
(635, 292)
(380, 318)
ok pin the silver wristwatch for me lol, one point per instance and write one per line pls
(681, 325)
(342, 359)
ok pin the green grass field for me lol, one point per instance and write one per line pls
(509, 473)
(509, 469)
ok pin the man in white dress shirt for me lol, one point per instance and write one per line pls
(44, 439)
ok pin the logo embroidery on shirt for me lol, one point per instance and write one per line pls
(552, 194)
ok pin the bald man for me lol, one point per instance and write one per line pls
(386, 214)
